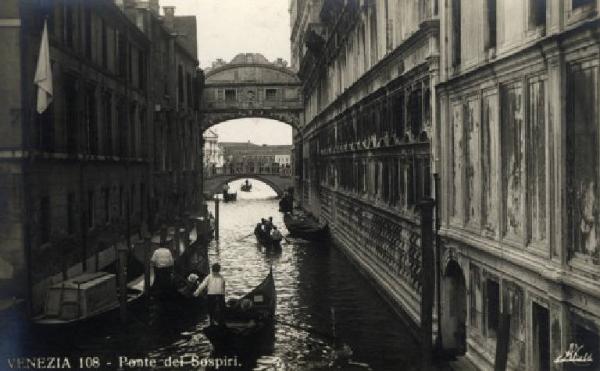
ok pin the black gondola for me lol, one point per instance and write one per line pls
(247, 317)
(305, 227)
(266, 240)
(286, 204)
(227, 197)
(246, 187)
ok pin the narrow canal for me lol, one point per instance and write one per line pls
(312, 281)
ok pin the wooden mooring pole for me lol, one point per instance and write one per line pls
(216, 218)
(122, 252)
(427, 284)
(147, 272)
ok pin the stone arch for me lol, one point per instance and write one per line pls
(212, 119)
(220, 181)
(453, 320)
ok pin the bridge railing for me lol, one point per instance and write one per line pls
(279, 170)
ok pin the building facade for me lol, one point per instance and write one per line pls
(518, 155)
(79, 179)
(213, 152)
(247, 158)
(362, 155)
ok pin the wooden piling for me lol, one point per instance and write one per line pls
(176, 239)
(122, 256)
(427, 284)
(216, 218)
(163, 235)
(147, 272)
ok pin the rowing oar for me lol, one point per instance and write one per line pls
(244, 237)
(305, 328)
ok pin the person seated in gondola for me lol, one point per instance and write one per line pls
(163, 263)
(276, 234)
(268, 226)
(259, 228)
(247, 183)
(214, 284)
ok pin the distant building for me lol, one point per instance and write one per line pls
(253, 158)
(213, 151)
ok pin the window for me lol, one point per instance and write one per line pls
(456, 32)
(582, 157)
(513, 165)
(537, 13)
(141, 70)
(45, 220)
(106, 197)
(91, 209)
(180, 86)
(492, 306)
(491, 24)
(536, 161)
(46, 128)
(90, 121)
(581, 3)
(104, 45)
(121, 202)
(71, 213)
(69, 26)
(107, 109)
(71, 114)
(541, 337)
(189, 89)
(230, 95)
(88, 31)
(271, 94)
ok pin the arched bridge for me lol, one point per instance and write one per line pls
(280, 181)
(251, 86)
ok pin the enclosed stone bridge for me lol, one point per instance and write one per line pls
(251, 86)
(278, 181)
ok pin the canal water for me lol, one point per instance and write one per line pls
(319, 293)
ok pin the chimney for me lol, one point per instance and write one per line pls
(169, 17)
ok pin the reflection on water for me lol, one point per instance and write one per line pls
(319, 292)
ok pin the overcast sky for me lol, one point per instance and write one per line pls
(229, 27)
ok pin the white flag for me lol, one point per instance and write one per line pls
(43, 74)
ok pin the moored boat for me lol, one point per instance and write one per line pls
(85, 297)
(305, 227)
(227, 197)
(248, 316)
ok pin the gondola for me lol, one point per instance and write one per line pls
(227, 197)
(305, 228)
(246, 187)
(248, 317)
(267, 241)
(285, 204)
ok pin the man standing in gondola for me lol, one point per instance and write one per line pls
(162, 261)
(214, 284)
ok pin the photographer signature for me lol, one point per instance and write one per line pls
(572, 356)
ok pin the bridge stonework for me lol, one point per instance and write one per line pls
(251, 86)
(279, 182)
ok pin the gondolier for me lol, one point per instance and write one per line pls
(162, 261)
(214, 283)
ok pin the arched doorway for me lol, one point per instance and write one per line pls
(454, 309)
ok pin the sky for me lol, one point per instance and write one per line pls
(229, 27)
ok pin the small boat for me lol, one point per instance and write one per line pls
(247, 317)
(305, 227)
(227, 197)
(247, 187)
(286, 204)
(267, 241)
(86, 297)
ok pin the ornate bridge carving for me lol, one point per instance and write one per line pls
(251, 86)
